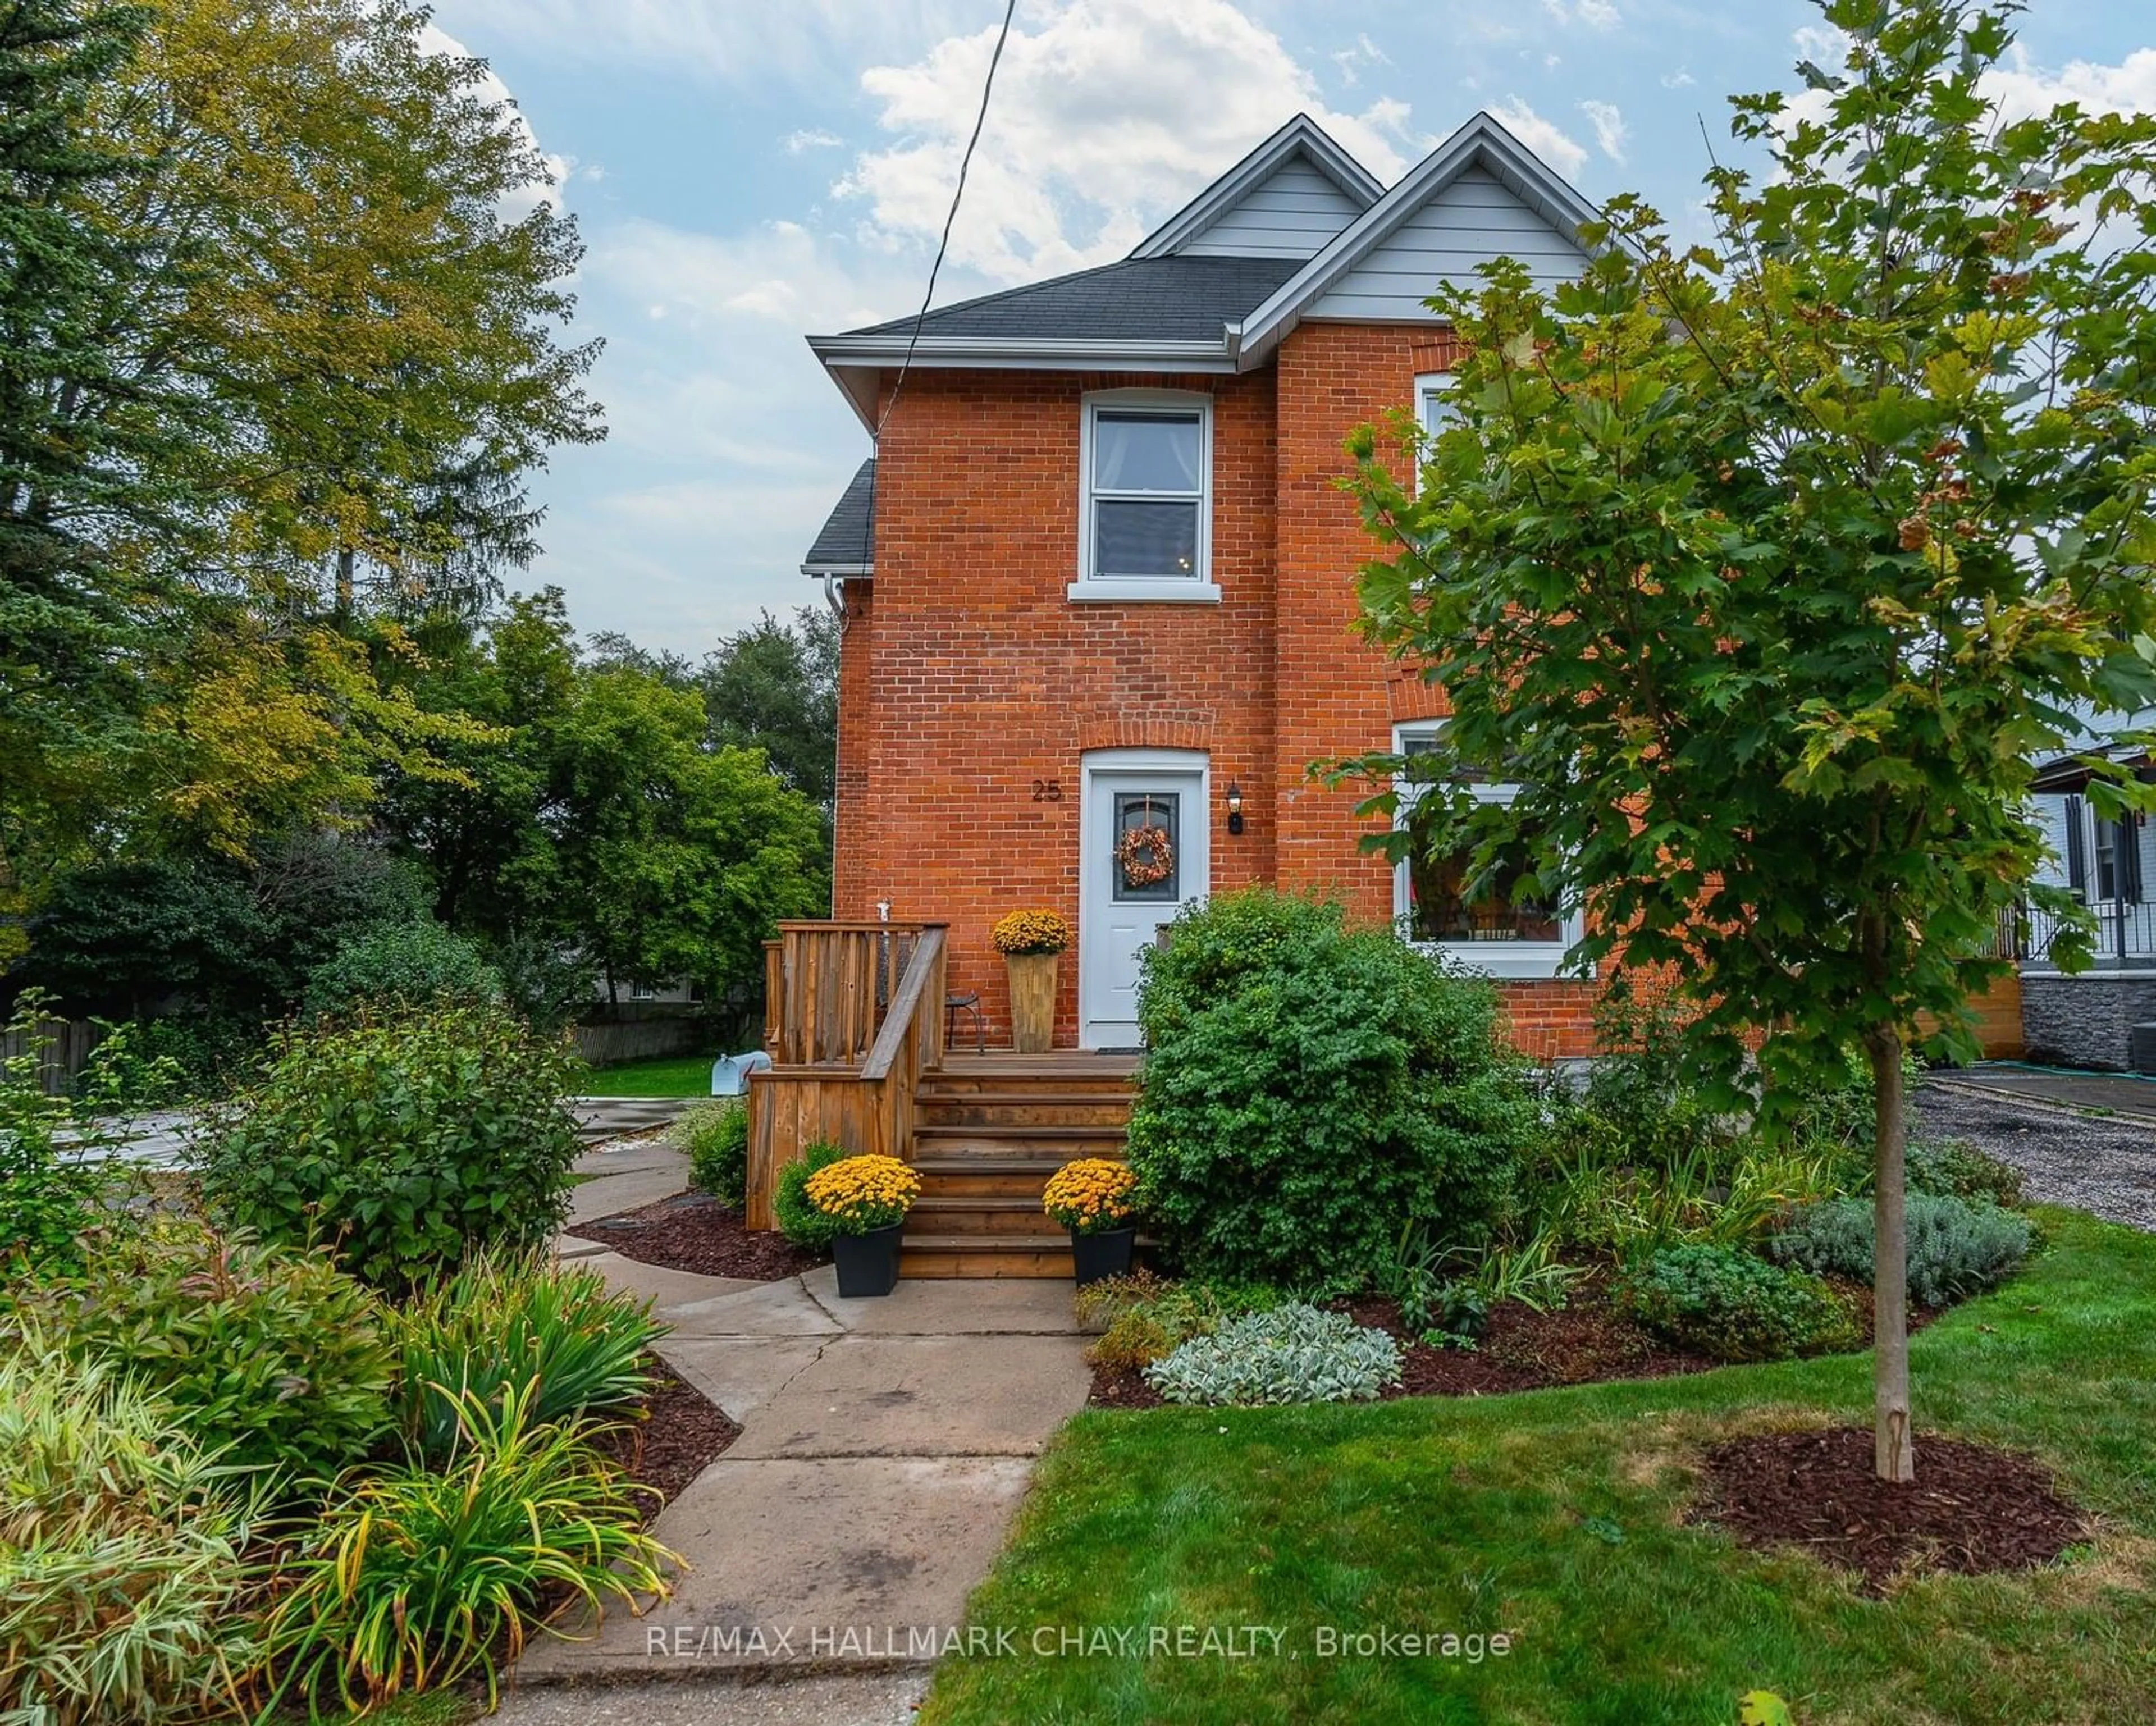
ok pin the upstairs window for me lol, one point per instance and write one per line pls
(1145, 519)
(1434, 408)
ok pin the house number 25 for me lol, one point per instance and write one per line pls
(1048, 790)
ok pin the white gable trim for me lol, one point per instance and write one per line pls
(1301, 136)
(1481, 142)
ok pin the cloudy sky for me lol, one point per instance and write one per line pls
(749, 171)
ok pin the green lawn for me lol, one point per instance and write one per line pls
(679, 1075)
(1554, 1517)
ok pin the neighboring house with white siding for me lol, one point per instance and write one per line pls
(2087, 1019)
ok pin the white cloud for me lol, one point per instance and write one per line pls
(1106, 115)
(739, 41)
(1352, 60)
(2021, 89)
(435, 40)
(1678, 79)
(1609, 124)
(810, 139)
(1595, 14)
(1545, 137)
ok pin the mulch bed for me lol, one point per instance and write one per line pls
(679, 1435)
(1587, 1341)
(1971, 1510)
(693, 1231)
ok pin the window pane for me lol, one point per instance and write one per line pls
(1147, 864)
(1144, 452)
(1439, 409)
(1145, 538)
(1438, 908)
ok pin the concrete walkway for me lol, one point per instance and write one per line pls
(624, 1174)
(885, 1444)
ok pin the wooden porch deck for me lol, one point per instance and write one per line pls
(1055, 1063)
(855, 1024)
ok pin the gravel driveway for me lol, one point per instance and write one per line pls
(2103, 1165)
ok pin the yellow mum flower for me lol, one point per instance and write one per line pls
(865, 1193)
(1091, 1195)
(1024, 931)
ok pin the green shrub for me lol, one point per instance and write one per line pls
(517, 1319)
(1143, 1318)
(122, 1584)
(408, 964)
(274, 1359)
(1734, 1305)
(1292, 1354)
(162, 1063)
(798, 1219)
(548, 987)
(405, 1141)
(1955, 1249)
(416, 1576)
(53, 1197)
(714, 1133)
(1310, 1088)
(1955, 1169)
(1640, 1105)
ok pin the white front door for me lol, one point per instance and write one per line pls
(1142, 850)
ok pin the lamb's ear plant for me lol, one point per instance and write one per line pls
(417, 1577)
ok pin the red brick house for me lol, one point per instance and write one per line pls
(1100, 578)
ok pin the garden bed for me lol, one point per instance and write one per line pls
(675, 1435)
(693, 1232)
(1972, 1510)
(1587, 1341)
(1568, 1521)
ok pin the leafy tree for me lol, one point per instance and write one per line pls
(64, 696)
(358, 266)
(281, 294)
(775, 687)
(1766, 567)
(487, 842)
(675, 860)
(235, 939)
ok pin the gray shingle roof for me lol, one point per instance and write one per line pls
(1174, 299)
(848, 539)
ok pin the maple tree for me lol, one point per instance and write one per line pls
(1766, 568)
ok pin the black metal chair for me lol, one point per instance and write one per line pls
(970, 1002)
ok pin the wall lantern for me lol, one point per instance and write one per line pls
(1235, 807)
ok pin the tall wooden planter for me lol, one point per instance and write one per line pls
(1033, 1001)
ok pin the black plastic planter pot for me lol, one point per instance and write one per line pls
(1107, 1254)
(868, 1264)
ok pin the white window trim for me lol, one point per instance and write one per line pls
(1197, 588)
(1427, 384)
(1511, 959)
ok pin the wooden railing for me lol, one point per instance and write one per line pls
(853, 1016)
(828, 987)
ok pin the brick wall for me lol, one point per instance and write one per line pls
(966, 674)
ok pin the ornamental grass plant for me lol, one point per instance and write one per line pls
(863, 1193)
(1091, 1195)
(121, 1540)
(514, 1319)
(420, 1575)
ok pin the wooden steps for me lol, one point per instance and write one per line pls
(988, 1132)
